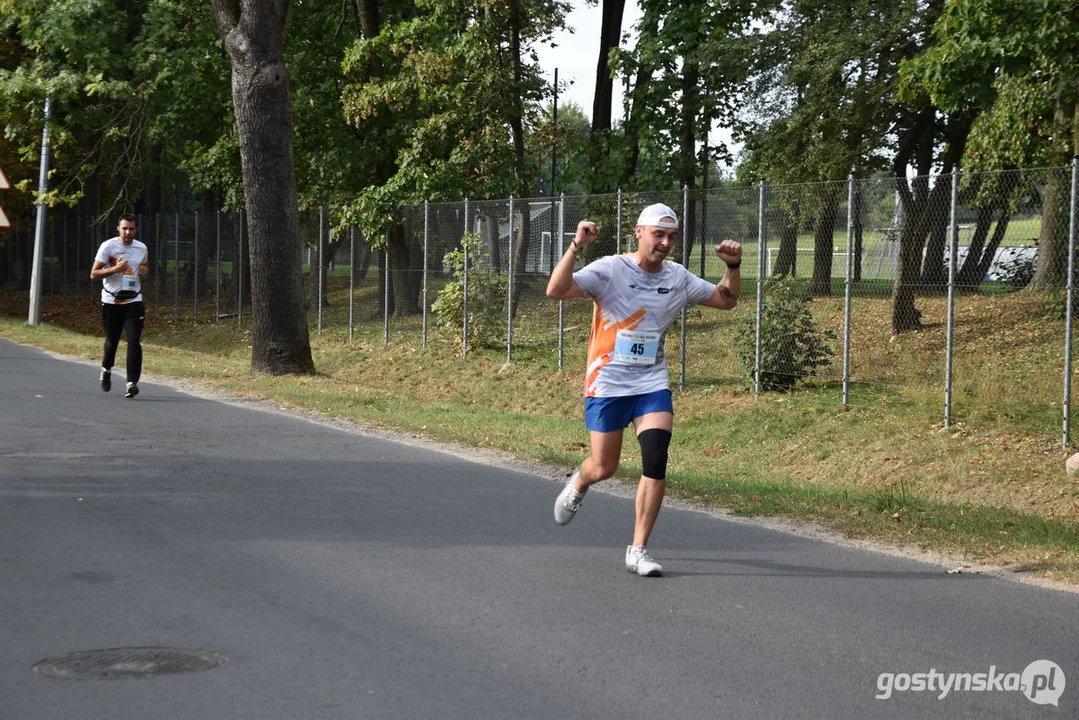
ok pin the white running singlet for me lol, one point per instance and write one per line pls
(110, 253)
(633, 311)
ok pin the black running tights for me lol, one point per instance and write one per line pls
(118, 319)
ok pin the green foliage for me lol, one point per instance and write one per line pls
(1011, 60)
(486, 296)
(680, 47)
(792, 347)
(142, 90)
(896, 498)
(439, 91)
(571, 141)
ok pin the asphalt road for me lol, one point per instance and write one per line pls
(350, 576)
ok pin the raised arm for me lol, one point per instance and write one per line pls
(730, 287)
(561, 285)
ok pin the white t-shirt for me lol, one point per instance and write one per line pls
(110, 253)
(633, 311)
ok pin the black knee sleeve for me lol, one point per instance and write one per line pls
(654, 444)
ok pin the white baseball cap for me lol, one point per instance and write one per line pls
(659, 215)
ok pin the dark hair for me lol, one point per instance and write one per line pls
(130, 217)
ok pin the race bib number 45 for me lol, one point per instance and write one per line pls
(636, 348)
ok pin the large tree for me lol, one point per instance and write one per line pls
(1016, 61)
(448, 87)
(80, 55)
(254, 33)
(822, 107)
(610, 35)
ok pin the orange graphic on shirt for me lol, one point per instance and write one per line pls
(113, 261)
(601, 343)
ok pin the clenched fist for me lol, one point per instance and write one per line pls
(729, 252)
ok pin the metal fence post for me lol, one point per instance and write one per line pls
(618, 226)
(78, 254)
(321, 264)
(509, 291)
(217, 286)
(561, 252)
(761, 252)
(686, 240)
(240, 273)
(847, 290)
(426, 230)
(386, 296)
(51, 252)
(64, 257)
(195, 284)
(953, 245)
(351, 278)
(176, 276)
(1069, 308)
(157, 264)
(464, 300)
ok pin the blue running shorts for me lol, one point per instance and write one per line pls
(606, 414)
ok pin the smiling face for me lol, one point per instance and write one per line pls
(654, 243)
(126, 230)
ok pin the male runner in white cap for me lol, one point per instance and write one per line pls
(637, 297)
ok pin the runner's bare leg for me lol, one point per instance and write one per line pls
(649, 490)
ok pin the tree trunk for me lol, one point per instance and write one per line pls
(253, 35)
(362, 260)
(858, 231)
(924, 211)
(322, 254)
(524, 225)
(905, 316)
(600, 146)
(520, 255)
(994, 243)
(489, 230)
(966, 276)
(687, 161)
(934, 278)
(406, 263)
(638, 102)
(1051, 267)
(824, 240)
(788, 244)
(913, 198)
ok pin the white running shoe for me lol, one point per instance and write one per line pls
(567, 502)
(638, 561)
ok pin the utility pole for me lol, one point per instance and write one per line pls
(34, 317)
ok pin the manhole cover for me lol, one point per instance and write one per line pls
(127, 663)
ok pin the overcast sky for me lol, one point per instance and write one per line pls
(577, 54)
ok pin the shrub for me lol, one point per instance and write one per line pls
(792, 347)
(486, 296)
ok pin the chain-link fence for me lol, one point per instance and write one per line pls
(871, 282)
